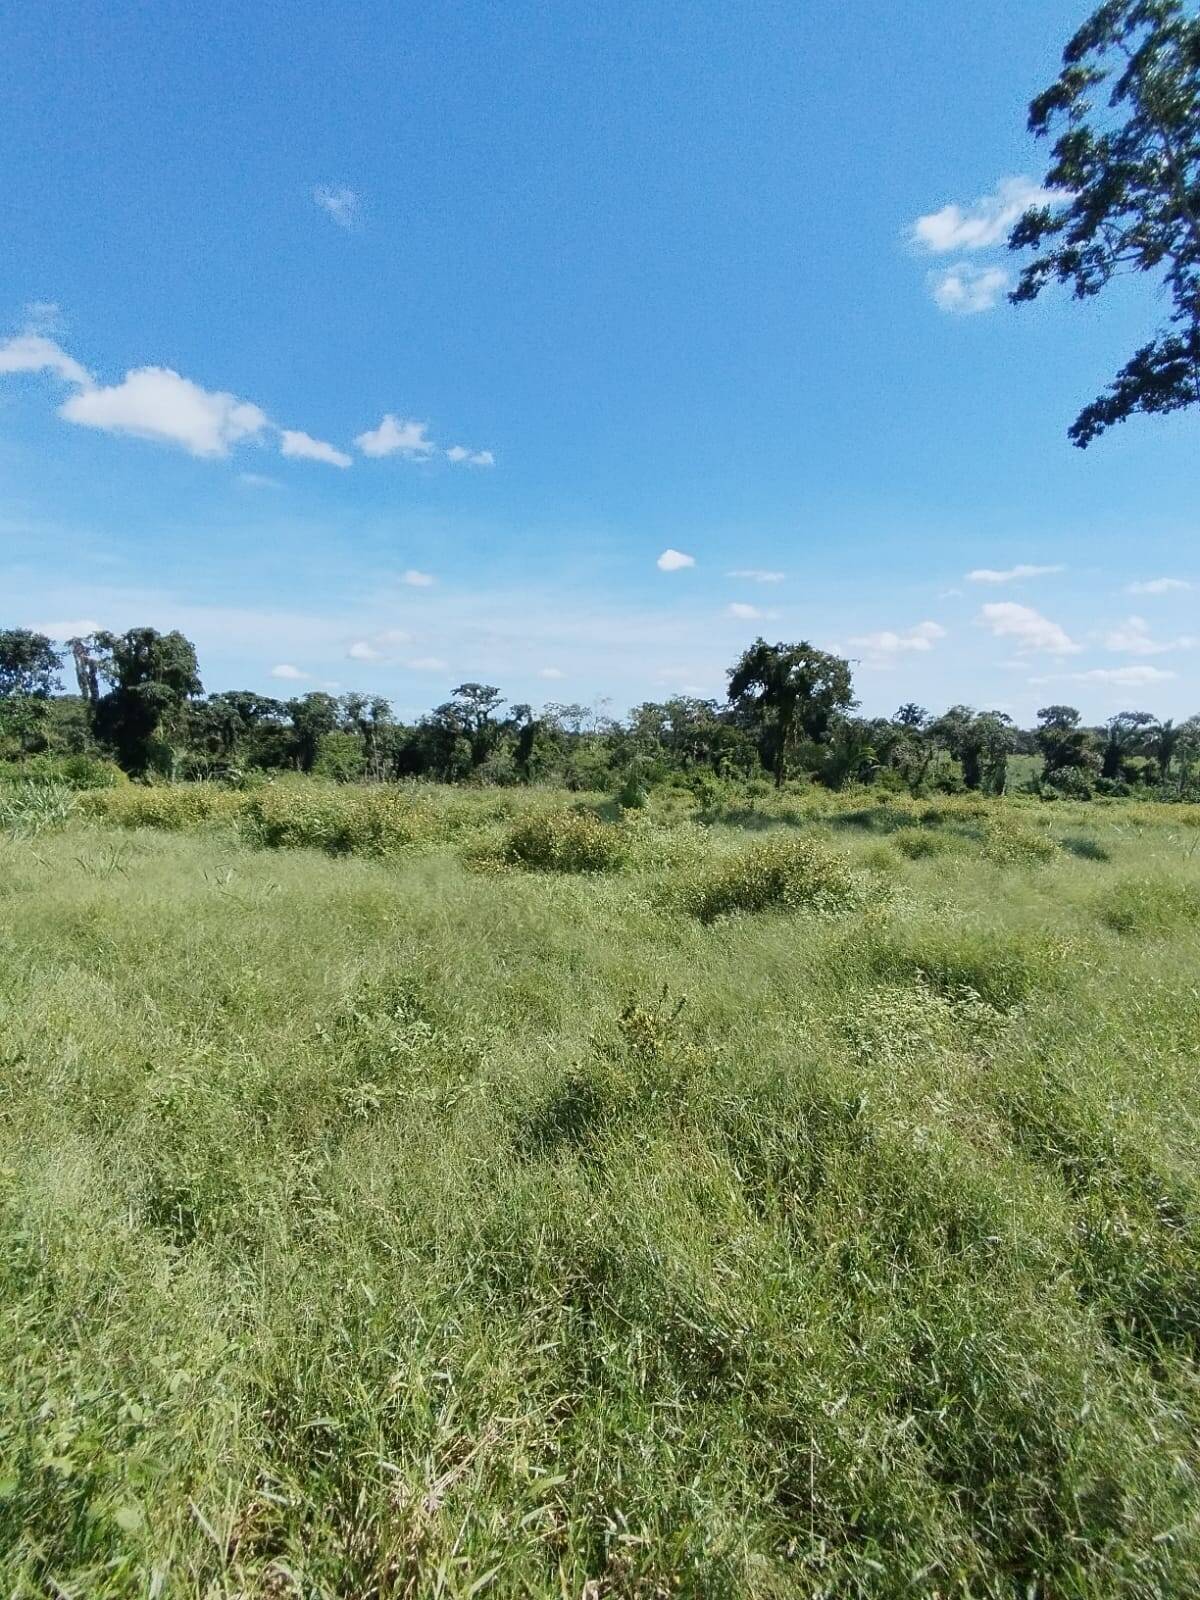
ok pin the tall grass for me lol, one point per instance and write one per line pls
(374, 1226)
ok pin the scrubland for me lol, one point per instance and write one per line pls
(416, 1192)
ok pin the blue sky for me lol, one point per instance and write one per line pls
(626, 280)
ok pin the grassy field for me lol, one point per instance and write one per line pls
(409, 1193)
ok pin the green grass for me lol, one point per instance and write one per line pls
(383, 1218)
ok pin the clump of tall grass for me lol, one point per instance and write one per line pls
(565, 841)
(1150, 906)
(338, 819)
(173, 808)
(790, 874)
(27, 809)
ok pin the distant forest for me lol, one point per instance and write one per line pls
(140, 712)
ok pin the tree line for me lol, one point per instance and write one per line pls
(789, 711)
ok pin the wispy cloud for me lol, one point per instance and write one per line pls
(964, 290)
(418, 580)
(33, 352)
(471, 458)
(397, 436)
(304, 447)
(746, 612)
(1159, 586)
(887, 642)
(337, 202)
(674, 561)
(427, 664)
(1132, 637)
(258, 480)
(1124, 677)
(553, 673)
(289, 673)
(1012, 574)
(757, 575)
(1028, 629)
(984, 223)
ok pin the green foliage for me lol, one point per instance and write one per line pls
(77, 771)
(793, 690)
(1126, 166)
(373, 1227)
(565, 841)
(1155, 906)
(787, 874)
(27, 809)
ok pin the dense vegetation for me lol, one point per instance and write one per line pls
(141, 711)
(411, 1190)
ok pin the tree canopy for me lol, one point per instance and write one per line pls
(1126, 165)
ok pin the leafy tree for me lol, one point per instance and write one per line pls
(152, 676)
(477, 702)
(1128, 171)
(1163, 744)
(1065, 746)
(911, 715)
(365, 715)
(1124, 732)
(797, 687)
(29, 666)
(313, 716)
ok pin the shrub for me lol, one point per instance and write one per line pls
(998, 969)
(565, 841)
(793, 874)
(171, 807)
(341, 821)
(1149, 906)
(76, 772)
(917, 843)
(1011, 843)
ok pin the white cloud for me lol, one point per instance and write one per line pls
(1159, 586)
(964, 290)
(396, 435)
(472, 458)
(78, 629)
(551, 672)
(427, 664)
(418, 580)
(338, 202)
(674, 561)
(1124, 677)
(889, 643)
(303, 447)
(747, 613)
(1012, 574)
(1132, 637)
(287, 671)
(1028, 628)
(156, 403)
(757, 575)
(985, 223)
(379, 647)
(258, 480)
(31, 352)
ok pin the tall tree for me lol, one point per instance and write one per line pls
(1125, 730)
(152, 676)
(1063, 743)
(1126, 163)
(312, 716)
(29, 666)
(795, 688)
